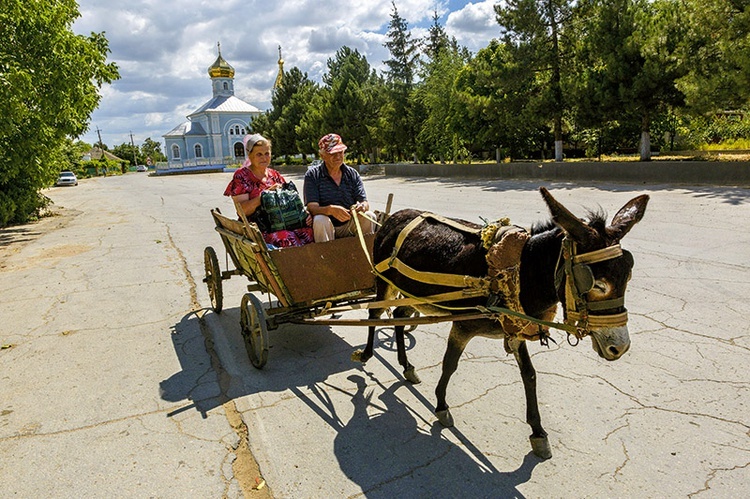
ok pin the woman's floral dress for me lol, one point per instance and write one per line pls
(244, 181)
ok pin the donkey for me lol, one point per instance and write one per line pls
(566, 260)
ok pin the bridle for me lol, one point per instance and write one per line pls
(579, 280)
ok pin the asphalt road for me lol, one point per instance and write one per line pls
(118, 381)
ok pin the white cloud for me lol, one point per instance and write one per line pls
(164, 49)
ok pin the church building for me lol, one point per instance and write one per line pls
(213, 134)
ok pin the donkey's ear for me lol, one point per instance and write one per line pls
(565, 219)
(627, 217)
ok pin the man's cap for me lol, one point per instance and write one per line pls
(331, 143)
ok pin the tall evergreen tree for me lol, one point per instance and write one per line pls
(535, 30)
(285, 112)
(350, 92)
(717, 44)
(397, 116)
(631, 65)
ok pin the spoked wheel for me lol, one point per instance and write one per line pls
(213, 279)
(254, 330)
(412, 327)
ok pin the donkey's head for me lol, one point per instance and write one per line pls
(593, 273)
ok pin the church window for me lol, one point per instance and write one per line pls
(226, 86)
(239, 150)
(198, 151)
(175, 151)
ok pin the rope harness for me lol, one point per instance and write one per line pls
(501, 286)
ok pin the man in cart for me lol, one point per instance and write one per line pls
(333, 191)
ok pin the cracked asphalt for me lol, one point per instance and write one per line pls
(118, 380)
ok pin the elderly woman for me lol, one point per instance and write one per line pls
(251, 180)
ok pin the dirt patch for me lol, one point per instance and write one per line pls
(15, 237)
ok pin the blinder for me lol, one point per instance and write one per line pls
(574, 269)
(583, 277)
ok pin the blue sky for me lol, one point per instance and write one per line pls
(164, 49)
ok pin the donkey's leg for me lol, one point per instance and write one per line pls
(457, 341)
(409, 372)
(382, 290)
(539, 442)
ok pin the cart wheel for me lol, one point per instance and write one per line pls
(412, 327)
(254, 330)
(213, 279)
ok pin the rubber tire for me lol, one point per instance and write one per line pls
(254, 330)
(213, 279)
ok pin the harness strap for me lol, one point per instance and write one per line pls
(599, 255)
(421, 218)
(453, 295)
(437, 278)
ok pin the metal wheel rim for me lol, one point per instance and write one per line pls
(254, 330)
(213, 279)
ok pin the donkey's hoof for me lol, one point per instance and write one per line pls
(357, 356)
(445, 418)
(411, 375)
(540, 447)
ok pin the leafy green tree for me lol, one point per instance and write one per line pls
(49, 86)
(398, 117)
(498, 103)
(436, 94)
(284, 118)
(717, 44)
(630, 64)
(535, 31)
(129, 153)
(152, 149)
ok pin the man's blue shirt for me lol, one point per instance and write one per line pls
(320, 188)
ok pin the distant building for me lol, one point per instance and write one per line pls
(213, 133)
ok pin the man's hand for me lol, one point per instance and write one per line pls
(339, 213)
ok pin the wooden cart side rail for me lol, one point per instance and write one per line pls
(244, 238)
(264, 274)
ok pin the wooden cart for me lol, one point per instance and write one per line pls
(306, 280)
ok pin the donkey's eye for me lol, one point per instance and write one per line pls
(600, 286)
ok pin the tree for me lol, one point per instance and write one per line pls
(498, 103)
(535, 30)
(629, 63)
(437, 95)
(397, 116)
(49, 85)
(717, 43)
(350, 90)
(284, 118)
(152, 149)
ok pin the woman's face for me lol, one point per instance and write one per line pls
(260, 156)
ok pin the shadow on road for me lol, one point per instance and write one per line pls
(384, 450)
(730, 195)
(300, 356)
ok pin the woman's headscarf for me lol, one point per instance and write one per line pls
(249, 142)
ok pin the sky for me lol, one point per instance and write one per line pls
(163, 49)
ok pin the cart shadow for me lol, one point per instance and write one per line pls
(215, 367)
(390, 451)
(385, 447)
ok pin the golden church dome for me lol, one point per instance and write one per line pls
(220, 68)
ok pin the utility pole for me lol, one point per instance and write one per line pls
(99, 133)
(135, 160)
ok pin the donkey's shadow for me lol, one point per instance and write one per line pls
(383, 449)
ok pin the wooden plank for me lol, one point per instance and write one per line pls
(321, 270)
